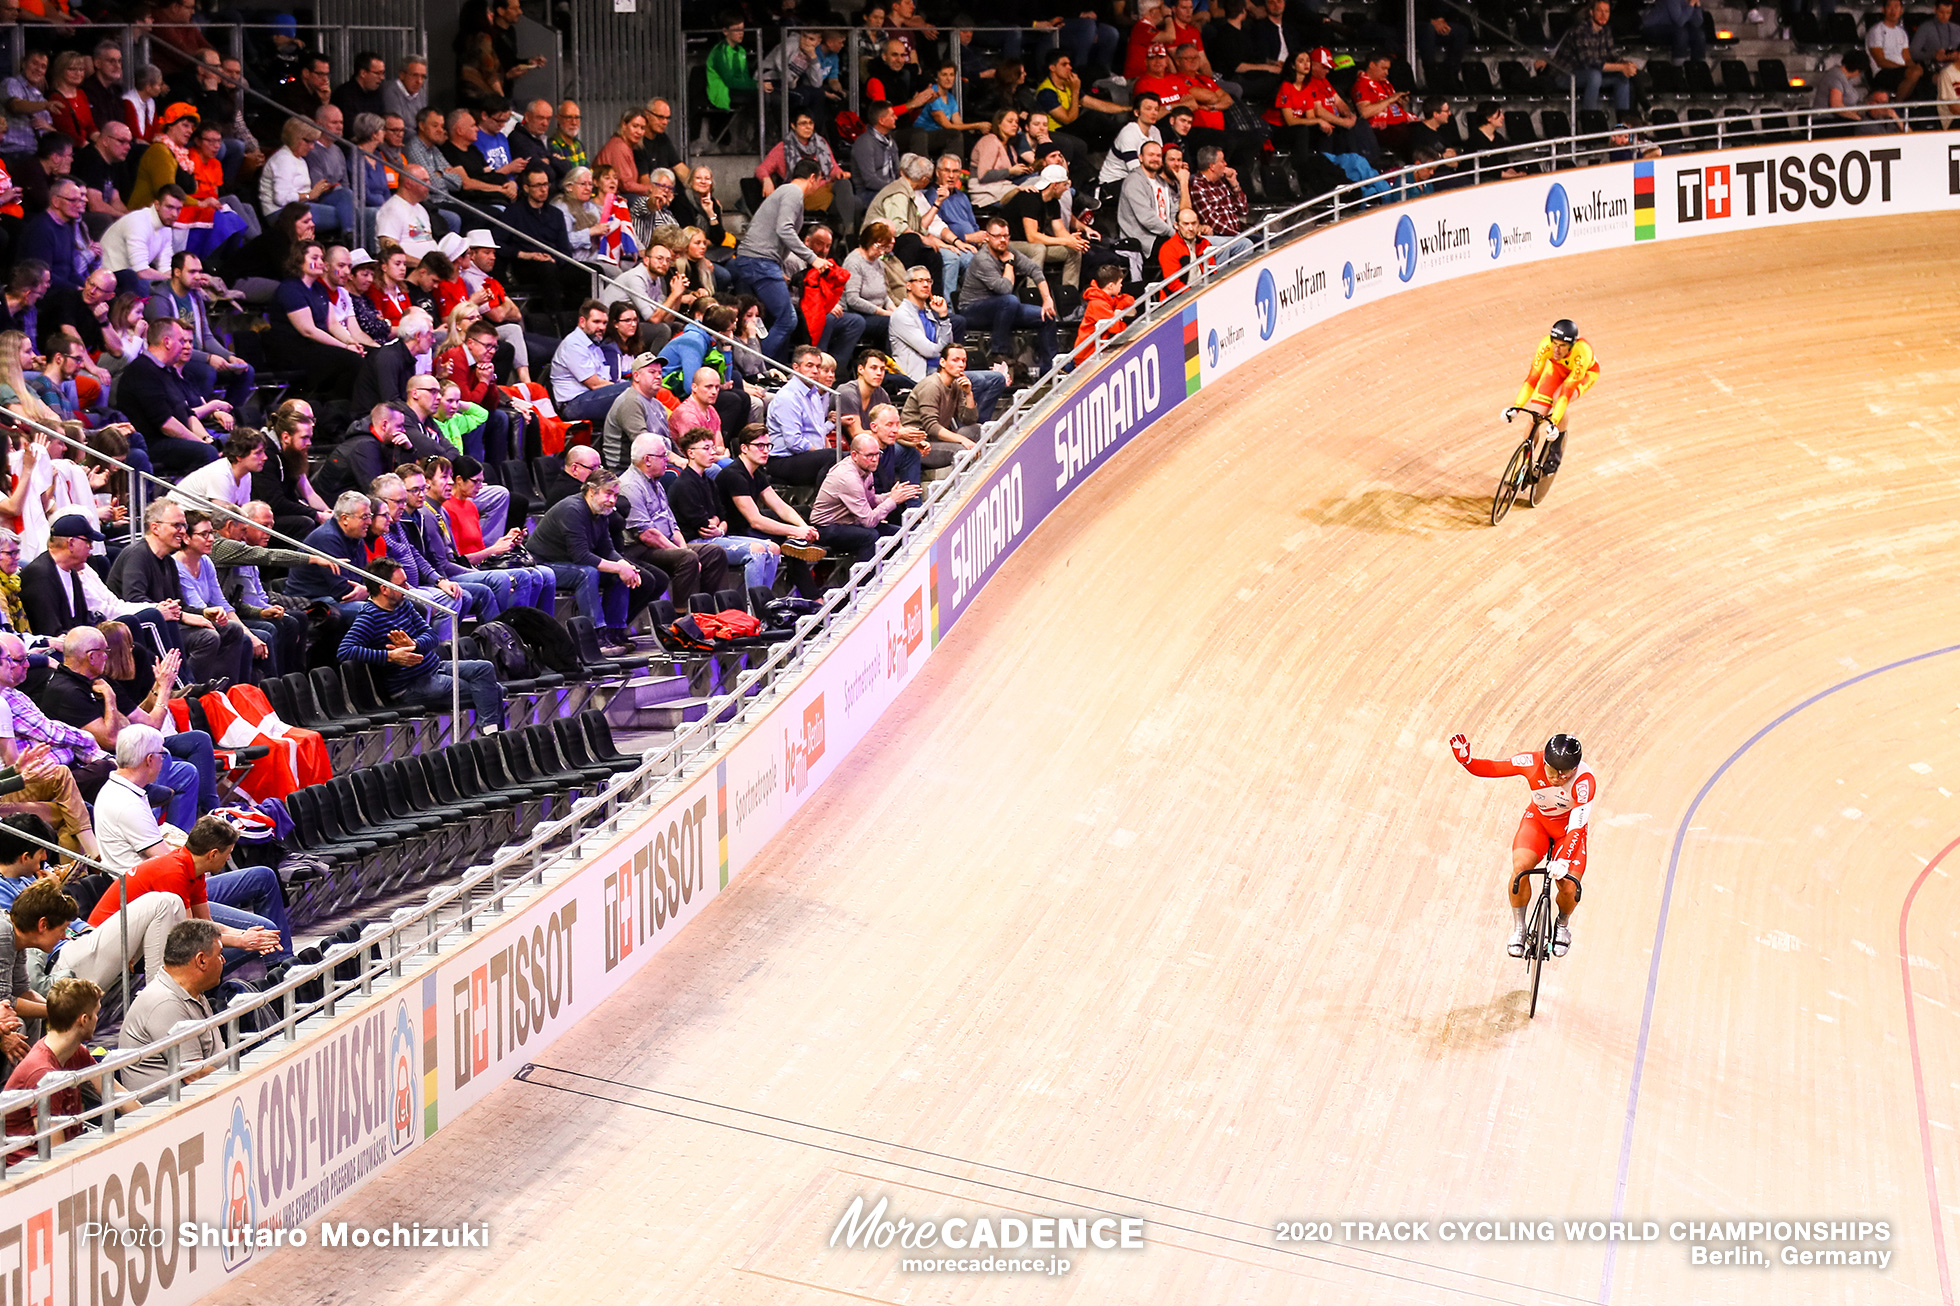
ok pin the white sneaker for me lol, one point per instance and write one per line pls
(1561, 939)
(1516, 946)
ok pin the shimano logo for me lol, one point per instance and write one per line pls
(991, 526)
(1103, 414)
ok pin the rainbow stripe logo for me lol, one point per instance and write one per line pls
(1191, 350)
(429, 1075)
(1643, 200)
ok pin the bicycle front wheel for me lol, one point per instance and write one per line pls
(1511, 482)
(1538, 946)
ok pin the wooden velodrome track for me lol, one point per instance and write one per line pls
(1160, 892)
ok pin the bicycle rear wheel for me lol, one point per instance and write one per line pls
(1511, 482)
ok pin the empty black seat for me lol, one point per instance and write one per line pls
(1516, 79)
(1476, 79)
(598, 734)
(1594, 122)
(331, 692)
(1666, 77)
(1772, 77)
(1552, 124)
(1701, 123)
(1697, 78)
(1442, 78)
(1736, 78)
(307, 710)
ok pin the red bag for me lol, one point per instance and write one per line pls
(732, 624)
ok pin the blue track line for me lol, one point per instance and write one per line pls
(1660, 933)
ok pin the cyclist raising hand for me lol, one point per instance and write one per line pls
(1562, 792)
(1562, 369)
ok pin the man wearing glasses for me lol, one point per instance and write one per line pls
(198, 579)
(557, 281)
(574, 539)
(659, 148)
(79, 694)
(343, 539)
(217, 647)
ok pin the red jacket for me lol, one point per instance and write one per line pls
(1098, 305)
(1173, 256)
(822, 292)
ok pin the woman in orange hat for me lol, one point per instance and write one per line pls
(168, 160)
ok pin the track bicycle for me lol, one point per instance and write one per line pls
(1526, 473)
(1542, 922)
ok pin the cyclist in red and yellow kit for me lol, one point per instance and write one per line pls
(1563, 369)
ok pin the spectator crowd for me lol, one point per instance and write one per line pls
(484, 358)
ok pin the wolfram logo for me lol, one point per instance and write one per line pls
(1558, 215)
(1501, 240)
(1405, 248)
(402, 1107)
(1265, 302)
(241, 1208)
(1445, 244)
(1358, 278)
(1218, 345)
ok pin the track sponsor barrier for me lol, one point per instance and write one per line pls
(1458, 232)
(181, 1197)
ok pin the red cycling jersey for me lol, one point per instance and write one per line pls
(1559, 813)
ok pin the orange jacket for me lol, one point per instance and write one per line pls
(1098, 306)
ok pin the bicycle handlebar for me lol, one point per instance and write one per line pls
(1520, 877)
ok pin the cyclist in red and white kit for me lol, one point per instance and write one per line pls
(1562, 793)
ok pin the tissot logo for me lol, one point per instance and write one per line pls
(1820, 181)
(1703, 193)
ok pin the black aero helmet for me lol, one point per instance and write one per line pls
(1565, 331)
(1562, 752)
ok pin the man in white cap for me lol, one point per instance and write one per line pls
(487, 293)
(404, 220)
(1037, 228)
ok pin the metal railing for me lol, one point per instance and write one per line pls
(225, 511)
(338, 43)
(415, 935)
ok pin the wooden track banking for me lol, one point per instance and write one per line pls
(1162, 881)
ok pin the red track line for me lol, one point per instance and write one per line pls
(1919, 1079)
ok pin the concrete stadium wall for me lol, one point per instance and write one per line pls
(272, 1149)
